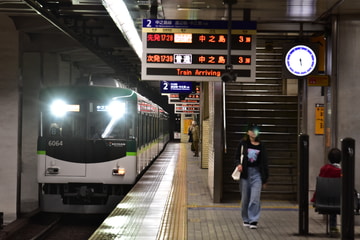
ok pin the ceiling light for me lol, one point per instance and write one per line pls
(301, 8)
(121, 16)
(188, 9)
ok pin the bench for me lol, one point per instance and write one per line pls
(328, 198)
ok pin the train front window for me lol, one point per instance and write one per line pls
(64, 120)
(107, 121)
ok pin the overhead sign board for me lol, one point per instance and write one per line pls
(184, 102)
(196, 50)
(174, 98)
(187, 108)
(318, 80)
(176, 87)
(197, 24)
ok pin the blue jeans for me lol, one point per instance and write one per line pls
(250, 196)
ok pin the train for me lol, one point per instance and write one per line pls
(94, 143)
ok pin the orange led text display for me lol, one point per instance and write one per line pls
(201, 41)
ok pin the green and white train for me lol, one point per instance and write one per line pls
(94, 143)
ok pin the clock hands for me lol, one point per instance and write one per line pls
(300, 62)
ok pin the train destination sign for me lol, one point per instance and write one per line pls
(196, 50)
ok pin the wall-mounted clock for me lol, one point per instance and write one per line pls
(300, 60)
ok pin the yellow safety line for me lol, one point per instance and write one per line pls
(174, 224)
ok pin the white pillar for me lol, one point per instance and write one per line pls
(9, 117)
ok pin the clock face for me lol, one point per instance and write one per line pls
(300, 60)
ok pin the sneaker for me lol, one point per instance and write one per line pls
(334, 229)
(253, 225)
(246, 224)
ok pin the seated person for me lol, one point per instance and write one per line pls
(331, 170)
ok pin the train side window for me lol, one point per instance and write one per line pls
(145, 129)
(140, 143)
(153, 129)
(157, 127)
(131, 127)
(148, 129)
(144, 126)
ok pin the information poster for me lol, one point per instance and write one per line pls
(319, 119)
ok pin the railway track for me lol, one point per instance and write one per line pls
(41, 226)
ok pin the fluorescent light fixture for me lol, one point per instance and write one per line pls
(121, 16)
(301, 8)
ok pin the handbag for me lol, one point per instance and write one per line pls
(236, 174)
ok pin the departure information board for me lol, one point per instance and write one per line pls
(196, 50)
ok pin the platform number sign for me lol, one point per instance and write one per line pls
(176, 87)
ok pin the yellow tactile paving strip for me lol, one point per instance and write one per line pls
(174, 225)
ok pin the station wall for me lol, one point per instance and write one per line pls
(348, 58)
(9, 117)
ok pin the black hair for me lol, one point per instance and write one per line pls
(252, 127)
(334, 155)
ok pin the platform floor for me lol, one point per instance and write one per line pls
(180, 207)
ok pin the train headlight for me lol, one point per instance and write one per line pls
(116, 109)
(118, 172)
(58, 108)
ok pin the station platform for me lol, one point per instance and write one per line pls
(172, 201)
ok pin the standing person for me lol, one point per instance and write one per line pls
(331, 170)
(254, 175)
(195, 138)
(190, 133)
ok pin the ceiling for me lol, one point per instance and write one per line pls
(82, 31)
(261, 10)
